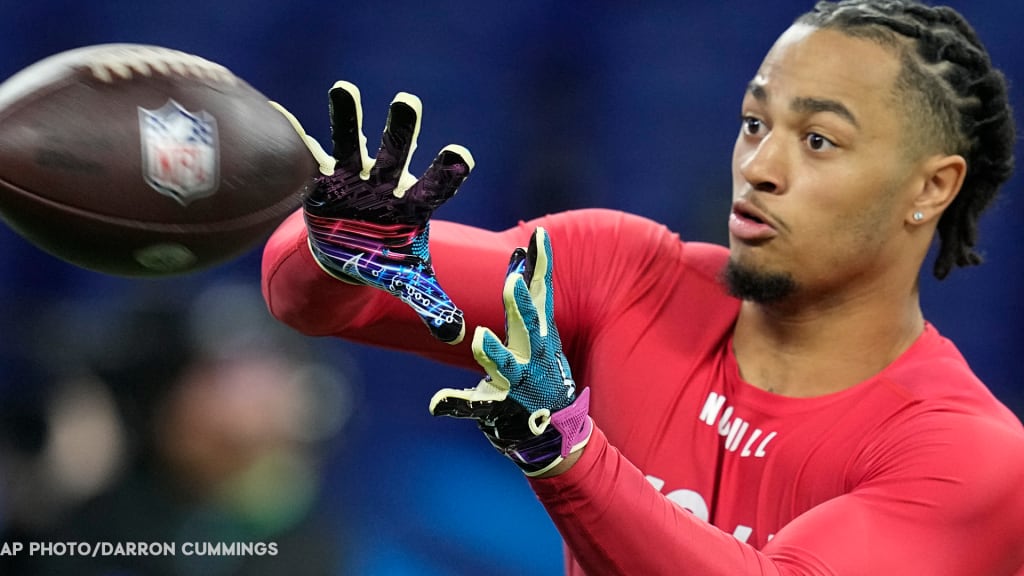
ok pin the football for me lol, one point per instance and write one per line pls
(138, 160)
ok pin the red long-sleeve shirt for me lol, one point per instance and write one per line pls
(691, 470)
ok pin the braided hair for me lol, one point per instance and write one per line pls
(946, 76)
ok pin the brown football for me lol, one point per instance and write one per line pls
(139, 160)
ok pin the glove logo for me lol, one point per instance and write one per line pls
(567, 380)
(351, 267)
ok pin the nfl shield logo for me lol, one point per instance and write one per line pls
(180, 152)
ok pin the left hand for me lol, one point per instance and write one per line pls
(527, 405)
(369, 219)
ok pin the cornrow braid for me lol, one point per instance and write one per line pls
(964, 97)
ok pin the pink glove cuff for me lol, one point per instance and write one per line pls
(574, 424)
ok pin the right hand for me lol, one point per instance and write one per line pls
(369, 219)
(527, 405)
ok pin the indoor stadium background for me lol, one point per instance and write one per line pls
(563, 104)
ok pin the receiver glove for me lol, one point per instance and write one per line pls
(527, 404)
(369, 219)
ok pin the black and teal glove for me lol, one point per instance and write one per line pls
(369, 219)
(527, 405)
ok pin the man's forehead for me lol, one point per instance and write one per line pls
(826, 64)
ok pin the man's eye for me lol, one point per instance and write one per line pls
(751, 125)
(818, 142)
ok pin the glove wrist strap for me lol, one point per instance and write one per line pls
(573, 424)
(568, 431)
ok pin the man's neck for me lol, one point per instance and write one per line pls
(804, 351)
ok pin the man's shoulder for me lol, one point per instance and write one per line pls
(630, 265)
(935, 376)
(626, 230)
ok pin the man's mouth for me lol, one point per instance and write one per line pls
(750, 216)
(749, 224)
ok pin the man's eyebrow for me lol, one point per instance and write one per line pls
(806, 105)
(757, 91)
(815, 105)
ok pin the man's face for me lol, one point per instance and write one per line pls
(821, 176)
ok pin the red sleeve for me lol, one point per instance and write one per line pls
(470, 264)
(930, 506)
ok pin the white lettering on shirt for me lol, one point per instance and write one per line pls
(734, 429)
(693, 502)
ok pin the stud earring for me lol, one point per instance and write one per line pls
(918, 216)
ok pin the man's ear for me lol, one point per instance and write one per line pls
(944, 176)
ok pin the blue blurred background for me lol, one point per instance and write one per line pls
(620, 105)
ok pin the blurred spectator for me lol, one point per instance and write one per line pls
(202, 423)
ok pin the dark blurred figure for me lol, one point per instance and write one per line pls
(199, 426)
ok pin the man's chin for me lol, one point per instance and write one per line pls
(760, 286)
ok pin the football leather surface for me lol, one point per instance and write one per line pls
(139, 160)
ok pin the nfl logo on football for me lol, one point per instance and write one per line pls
(180, 152)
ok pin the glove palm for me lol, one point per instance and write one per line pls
(369, 219)
(527, 404)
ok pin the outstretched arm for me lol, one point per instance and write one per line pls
(469, 261)
(935, 492)
(946, 515)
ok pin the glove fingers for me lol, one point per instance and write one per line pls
(446, 403)
(346, 113)
(398, 144)
(493, 357)
(442, 179)
(541, 280)
(325, 162)
(521, 319)
(469, 402)
(517, 263)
